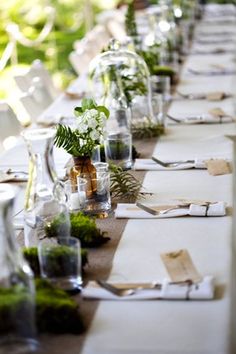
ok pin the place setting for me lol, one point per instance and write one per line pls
(215, 165)
(184, 283)
(213, 116)
(170, 209)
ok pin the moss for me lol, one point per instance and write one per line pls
(31, 255)
(14, 304)
(56, 311)
(135, 153)
(82, 227)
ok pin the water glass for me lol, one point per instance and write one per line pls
(100, 203)
(161, 85)
(160, 107)
(118, 149)
(60, 262)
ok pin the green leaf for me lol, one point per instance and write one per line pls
(88, 103)
(104, 110)
(78, 111)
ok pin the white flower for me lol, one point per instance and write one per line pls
(94, 135)
(82, 128)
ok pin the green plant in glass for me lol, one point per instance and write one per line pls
(82, 227)
(130, 24)
(31, 255)
(147, 130)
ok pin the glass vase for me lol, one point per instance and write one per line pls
(17, 296)
(84, 168)
(45, 212)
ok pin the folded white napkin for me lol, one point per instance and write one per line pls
(202, 118)
(200, 291)
(212, 71)
(150, 165)
(132, 211)
(13, 177)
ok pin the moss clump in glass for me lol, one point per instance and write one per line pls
(82, 227)
(31, 255)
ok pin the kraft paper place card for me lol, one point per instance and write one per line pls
(180, 267)
(217, 167)
(217, 112)
(215, 96)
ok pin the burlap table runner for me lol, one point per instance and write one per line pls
(100, 264)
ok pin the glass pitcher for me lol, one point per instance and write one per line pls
(17, 313)
(45, 197)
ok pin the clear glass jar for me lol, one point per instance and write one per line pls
(17, 295)
(121, 76)
(45, 197)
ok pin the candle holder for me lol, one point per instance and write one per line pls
(79, 199)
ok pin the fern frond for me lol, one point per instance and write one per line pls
(67, 139)
(124, 185)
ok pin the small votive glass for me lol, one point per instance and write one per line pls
(100, 203)
(160, 108)
(161, 85)
(76, 194)
(118, 149)
(60, 262)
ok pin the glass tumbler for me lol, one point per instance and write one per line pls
(60, 262)
(118, 149)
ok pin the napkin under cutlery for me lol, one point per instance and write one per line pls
(203, 290)
(212, 71)
(14, 176)
(150, 165)
(169, 210)
(202, 118)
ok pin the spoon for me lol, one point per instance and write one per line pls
(171, 164)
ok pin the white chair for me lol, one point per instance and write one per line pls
(88, 47)
(80, 61)
(36, 99)
(37, 69)
(10, 126)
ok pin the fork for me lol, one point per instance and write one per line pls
(9, 171)
(127, 290)
(171, 164)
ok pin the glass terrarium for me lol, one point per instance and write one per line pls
(120, 80)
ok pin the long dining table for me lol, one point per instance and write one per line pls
(166, 326)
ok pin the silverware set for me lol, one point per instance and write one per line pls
(132, 288)
(172, 163)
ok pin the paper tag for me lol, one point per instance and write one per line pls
(217, 112)
(215, 96)
(218, 66)
(216, 167)
(180, 266)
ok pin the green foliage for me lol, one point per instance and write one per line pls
(152, 57)
(124, 186)
(69, 140)
(56, 311)
(135, 153)
(164, 70)
(14, 302)
(147, 130)
(130, 24)
(78, 142)
(82, 227)
(31, 255)
(89, 103)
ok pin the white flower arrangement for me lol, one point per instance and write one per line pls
(88, 132)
